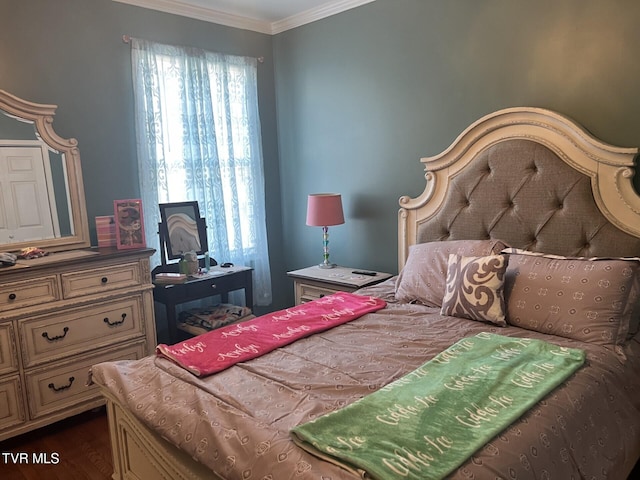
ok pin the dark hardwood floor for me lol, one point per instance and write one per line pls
(77, 448)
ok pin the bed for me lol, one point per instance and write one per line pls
(526, 185)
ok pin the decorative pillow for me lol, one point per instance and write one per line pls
(423, 278)
(474, 288)
(586, 299)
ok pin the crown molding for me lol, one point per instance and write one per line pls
(200, 13)
(177, 7)
(315, 14)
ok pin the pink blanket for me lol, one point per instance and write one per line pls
(221, 348)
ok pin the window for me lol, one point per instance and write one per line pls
(199, 139)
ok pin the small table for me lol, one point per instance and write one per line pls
(218, 281)
(314, 282)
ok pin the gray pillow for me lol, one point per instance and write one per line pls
(423, 278)
(586, 299)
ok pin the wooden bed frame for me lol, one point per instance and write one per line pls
(139, 453)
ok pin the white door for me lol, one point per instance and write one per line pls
(24, 196)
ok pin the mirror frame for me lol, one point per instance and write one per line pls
(194, 213)
(41, 115)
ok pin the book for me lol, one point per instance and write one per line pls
(169, 278)
(106, 230)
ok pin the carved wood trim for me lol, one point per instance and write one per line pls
(41, 115)
(610, 167)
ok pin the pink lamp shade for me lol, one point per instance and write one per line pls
(324, 210)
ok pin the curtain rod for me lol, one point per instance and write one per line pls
(127, 39)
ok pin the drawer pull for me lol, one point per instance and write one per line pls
(59, 337)
(12, 296)
(104, 279)
(63, 387)
(117, 322)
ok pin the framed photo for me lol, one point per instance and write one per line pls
(183, 229)
(129, 224)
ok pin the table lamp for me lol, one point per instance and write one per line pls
(325, 210)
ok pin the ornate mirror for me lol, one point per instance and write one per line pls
(42, 200)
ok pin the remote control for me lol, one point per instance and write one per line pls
(364, 272)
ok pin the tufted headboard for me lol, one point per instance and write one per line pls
(532, 178)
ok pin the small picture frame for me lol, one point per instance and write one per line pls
(129, 224)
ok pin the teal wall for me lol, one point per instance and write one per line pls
(363, 95)
(70, 53)
(348, 103)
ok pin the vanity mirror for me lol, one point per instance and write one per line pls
(182, 230)
(42, 200)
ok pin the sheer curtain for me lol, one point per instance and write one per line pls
(198, 138)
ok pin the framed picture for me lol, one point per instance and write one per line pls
(183, 229)
(129, 224)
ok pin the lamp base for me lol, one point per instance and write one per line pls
(327, 265)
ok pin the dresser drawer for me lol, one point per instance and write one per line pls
(11, 411)
(87, 282)
(81, 329)
(29, 292)
(204, 287)
(61, 386)
(8, 358)
(306, 292)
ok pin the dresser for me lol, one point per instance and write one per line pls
(61, 314)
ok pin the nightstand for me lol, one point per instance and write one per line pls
(218, 281)
(314, 282)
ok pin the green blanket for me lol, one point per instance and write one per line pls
(427, 423)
